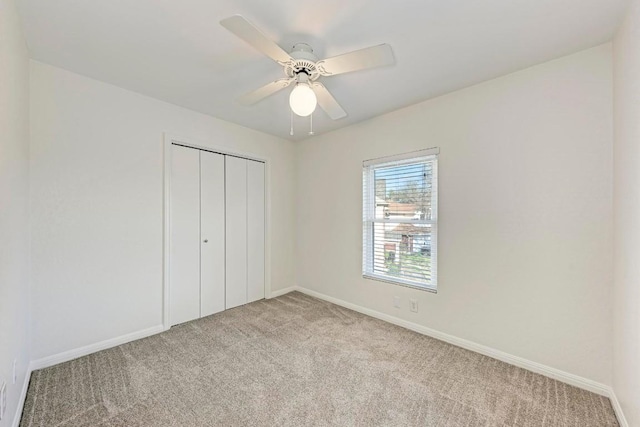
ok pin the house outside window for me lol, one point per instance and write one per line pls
(400, 219)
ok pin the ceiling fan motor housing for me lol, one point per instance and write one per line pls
(304, 61)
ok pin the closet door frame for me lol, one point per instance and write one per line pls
(169, 140)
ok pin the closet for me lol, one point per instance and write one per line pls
(217, 232)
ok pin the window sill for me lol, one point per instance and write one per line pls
(406, 284)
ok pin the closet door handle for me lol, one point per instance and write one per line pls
(206, 240)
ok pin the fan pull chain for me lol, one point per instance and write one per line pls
(291, 131)
(311, 124)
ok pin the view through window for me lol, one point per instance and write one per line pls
(400, 219)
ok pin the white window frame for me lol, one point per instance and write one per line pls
(368, 216)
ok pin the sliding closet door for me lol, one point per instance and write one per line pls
(255, 230)
(236, 231)
(185, 235)
(212, 230)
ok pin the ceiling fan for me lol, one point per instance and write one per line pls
(304, 69)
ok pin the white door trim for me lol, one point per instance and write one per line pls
(201, 145)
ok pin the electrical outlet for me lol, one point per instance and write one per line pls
(396, 302)
(3, 399)
(414, 305)
(15, 371)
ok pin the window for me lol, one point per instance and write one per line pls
(400, 219)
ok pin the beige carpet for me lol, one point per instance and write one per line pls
(299, 361)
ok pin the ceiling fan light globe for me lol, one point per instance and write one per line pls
(303, 100)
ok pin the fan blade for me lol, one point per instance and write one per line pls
(370, 57)
(327, 102)
(252, 35)
(265, 91)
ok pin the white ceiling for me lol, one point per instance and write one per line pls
(177, 51)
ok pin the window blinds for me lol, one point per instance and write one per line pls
(400, 219)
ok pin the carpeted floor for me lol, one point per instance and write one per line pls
(299, 361)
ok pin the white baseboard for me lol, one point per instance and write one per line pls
(45, 362)
(281, 292)
(622, 420)
(23, 397)
(539, 368)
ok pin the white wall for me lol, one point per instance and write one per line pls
(525, 232)
(14, 204)
(97, 205)
(626, 202)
